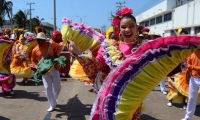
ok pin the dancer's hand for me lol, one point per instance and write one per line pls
(73, 48)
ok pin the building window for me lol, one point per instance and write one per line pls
(142, 23)
(146, 23)
(152, 21)
(168, 17)
(197, 30)
(159, 20)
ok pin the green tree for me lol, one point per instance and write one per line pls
(5, 9)
(20, 18)
(35, 22)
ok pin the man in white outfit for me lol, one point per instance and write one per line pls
(43, 50)
(194, 85)
(162, 87)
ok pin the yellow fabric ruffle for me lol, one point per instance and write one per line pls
(77, 72)
(82, 41)
(129, 102)
(19, 67)
(4, 49)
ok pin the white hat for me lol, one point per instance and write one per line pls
(28, 34)
(13, 37)
(198, 34)
(41, 35)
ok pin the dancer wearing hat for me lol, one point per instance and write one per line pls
(43, 50)
(21, 51)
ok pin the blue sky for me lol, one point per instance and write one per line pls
(94, 13)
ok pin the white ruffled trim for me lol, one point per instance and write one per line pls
(108, 54)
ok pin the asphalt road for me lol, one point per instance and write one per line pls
(74, 103)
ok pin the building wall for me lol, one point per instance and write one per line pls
(152, 12)
(196, 12)
(186, 16)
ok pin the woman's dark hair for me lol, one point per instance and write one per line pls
(129, 16)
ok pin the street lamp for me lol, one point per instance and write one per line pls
(81, 19)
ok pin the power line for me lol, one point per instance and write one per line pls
(30, 14)
(110, 18)
(120, 4)
(146, 6)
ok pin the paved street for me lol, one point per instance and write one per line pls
(75, 103)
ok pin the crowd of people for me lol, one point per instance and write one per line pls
(25, 55)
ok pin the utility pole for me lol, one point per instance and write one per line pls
(11, 25)
(120, 4)
(54, 5)
(30, 14)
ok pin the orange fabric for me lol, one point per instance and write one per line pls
(194, 64)
(39, 51)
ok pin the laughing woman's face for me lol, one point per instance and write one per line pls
(128, 29)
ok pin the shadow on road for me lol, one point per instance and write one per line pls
(30, 83)
(3, 118)
(74, 109)
(21, 94)
(147, 117)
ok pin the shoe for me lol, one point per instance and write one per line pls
(184, 119)
(169, 104)
(165, 93)
(184, 107)
(50, 109)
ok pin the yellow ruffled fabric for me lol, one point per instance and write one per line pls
(83, 42)
(18, 68)
(77, 72)
(4, 49)
(130, 102)
(109, 31)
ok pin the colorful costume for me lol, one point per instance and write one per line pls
(21, 64)
(193, 62)
(134, 72)
(43, 54)
(125, 88)
(7, 80)
(86, 39)
(6, 33)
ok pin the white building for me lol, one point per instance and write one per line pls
(168, 16)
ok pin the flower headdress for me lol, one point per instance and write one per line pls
(116, 19)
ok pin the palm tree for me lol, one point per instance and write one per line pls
(20, 18)
(6, 9)
(36, 21)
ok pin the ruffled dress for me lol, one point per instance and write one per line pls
(7, 80)
(21, 65)
(179, 87)
(110, 55)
